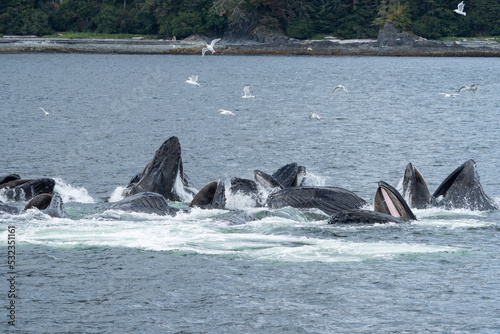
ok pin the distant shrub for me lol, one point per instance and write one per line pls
(301, 29)
(28, 21)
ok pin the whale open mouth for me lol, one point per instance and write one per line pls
(448, 182)
(462, 190)
(389, 201)
(390, 204)
(266, 180)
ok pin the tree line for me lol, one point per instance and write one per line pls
(300, 19)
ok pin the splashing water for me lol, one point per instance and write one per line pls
(117, 195)
(71, 194)
(315, 180)
(181, 191)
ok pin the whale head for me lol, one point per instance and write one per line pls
(415, 189)
(389, 201)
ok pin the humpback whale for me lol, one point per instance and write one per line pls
(330, 200)
(291, 175)
(463, 190)
(245, 186)
(146, 202)
(248, 188)
(8, 177)
(266, 180)
(460, 190)
(358, 216)
(211, 196)
(50, 204)
(6, 208)
(389, 207)
(25, 189)
(389, 201)
(415, 189)
(161, 173)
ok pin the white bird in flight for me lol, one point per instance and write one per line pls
(315, 116)
(340, 87)
(460, 9)
(471, 88)
(248, 94)
(453, 95)
(225, 112)
(210, 47)
(193, 80)
(46, 112)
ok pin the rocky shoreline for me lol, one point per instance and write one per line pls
(390, 42)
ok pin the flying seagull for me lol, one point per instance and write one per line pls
(248, 94)
(225, 112)
(192, 80)
(340, 87)
(453, 95)
(460, 9)
(315, 116)
(471, 88)
(46, 112)
(210, 47)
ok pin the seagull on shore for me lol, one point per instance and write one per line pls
(460, 9)
(315, 116)
(471, 88)
(225, 112)
(248, 94)
(210, 47)
(192, 80)
(340, 87)
(46, 112)
(453, 95)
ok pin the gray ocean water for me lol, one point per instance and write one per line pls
(103, 271)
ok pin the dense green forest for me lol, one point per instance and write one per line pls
(237, 18)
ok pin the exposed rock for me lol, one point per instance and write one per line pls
(196, 39)
(262, 35)
(391, 36)
(391, 42)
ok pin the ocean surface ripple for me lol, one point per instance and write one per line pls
(100, 270)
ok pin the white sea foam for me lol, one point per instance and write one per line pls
(116, 195)
(71, 194)
(344, 251)
(200, 232)
(312, 179)
(456, 218)
(239, 200)
(441, 213)
(496, 202)
(181, 191)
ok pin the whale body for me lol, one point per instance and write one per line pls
(462, 189)
(161, 173)
(330, 200)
